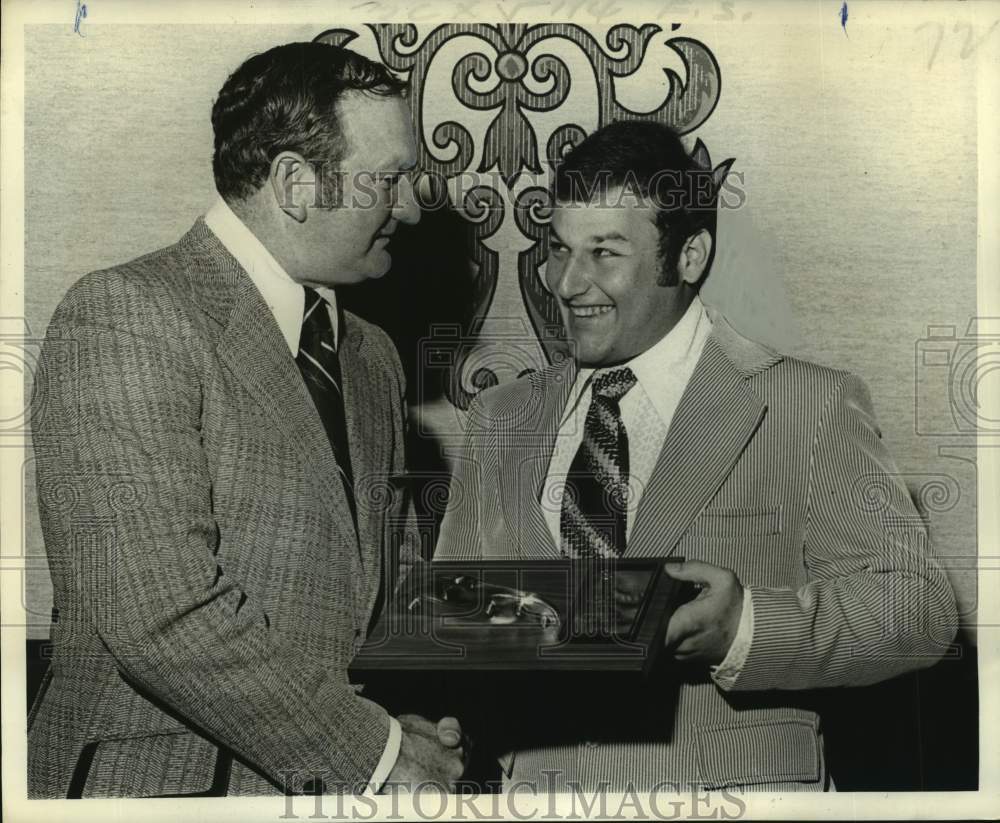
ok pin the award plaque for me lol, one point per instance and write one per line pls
(488, 615)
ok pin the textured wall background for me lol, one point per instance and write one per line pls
(858, 155)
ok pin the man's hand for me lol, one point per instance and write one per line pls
(429, 753)
(703, 629)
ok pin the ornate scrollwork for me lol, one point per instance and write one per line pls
(515, 69)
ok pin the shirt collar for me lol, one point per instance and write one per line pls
(283, 296)
(672, 357)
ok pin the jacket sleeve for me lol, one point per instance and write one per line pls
(876, 604)
(123, 441)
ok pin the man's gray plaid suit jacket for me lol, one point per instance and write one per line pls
(772, 467)
(210, 586)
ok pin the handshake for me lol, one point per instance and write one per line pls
(430, 754)
(700, 630)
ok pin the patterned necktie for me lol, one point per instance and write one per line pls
(320, 366)
(594, 507)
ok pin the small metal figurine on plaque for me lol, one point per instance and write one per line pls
(495, 605)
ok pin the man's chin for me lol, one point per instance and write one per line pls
(589, 353)
(589, 358)
(379, 266)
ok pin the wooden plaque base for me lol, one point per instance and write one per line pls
(511, 615)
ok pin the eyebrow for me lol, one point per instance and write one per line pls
(614, 235)
(597, 239)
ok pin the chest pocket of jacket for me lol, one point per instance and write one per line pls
(723, 523)
(749, 541)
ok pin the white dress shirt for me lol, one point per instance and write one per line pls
(662, 373)
(286, 300)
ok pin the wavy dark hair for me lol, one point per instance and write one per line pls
(285, 99)
(647, 159)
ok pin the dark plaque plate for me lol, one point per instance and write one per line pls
(489, 615)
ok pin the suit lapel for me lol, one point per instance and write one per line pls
(716, 417)
(366, 402)
(530, 436)
(252, 347)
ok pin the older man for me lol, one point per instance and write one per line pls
(670, 433)
(214, 561)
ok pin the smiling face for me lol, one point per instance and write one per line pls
(603, 268)
(349, 243)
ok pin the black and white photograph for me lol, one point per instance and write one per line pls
(486, 410)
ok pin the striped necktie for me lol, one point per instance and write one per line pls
(320, 366)
(594, 506)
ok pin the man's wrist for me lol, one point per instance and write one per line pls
(389, 757)
(727, 672)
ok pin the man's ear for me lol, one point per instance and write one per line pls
(694, 257)
(293, 183)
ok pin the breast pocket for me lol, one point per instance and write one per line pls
(749, 541)
(733, 523)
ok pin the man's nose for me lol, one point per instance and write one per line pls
(406, 209)
(572, 280)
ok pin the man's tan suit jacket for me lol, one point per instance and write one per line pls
(209, 583)
(772, 467)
